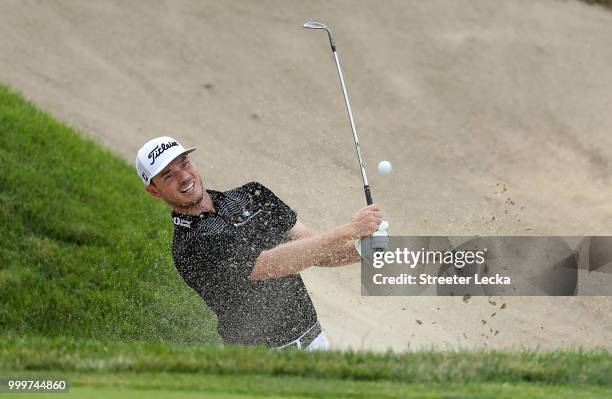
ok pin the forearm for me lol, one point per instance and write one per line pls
(294, 256)
(344, 255)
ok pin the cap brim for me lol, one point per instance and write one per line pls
(164, 164)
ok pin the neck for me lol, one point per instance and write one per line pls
(205, 205)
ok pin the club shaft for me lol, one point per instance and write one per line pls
(366, 187)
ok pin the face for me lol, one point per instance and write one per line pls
(179, 184)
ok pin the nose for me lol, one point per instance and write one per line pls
(183, 176)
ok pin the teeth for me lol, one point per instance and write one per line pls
(188, 188)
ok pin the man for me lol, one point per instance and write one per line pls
(242, 250)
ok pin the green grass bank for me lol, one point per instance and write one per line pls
(140, 369)
(84, 252)
(572, 367)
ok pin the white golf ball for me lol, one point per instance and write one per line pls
(384, 167)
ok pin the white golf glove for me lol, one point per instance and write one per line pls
(378, 241)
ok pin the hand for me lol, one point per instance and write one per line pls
(365, 221)
(380, 238)
(377, 242)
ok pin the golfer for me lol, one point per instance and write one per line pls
(242, 250)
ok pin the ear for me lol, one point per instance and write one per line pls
(151, 189)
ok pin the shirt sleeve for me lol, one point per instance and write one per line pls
(285, 217)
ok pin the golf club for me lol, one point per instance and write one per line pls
(380, 239)
(319, 25)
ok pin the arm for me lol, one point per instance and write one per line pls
(294, 256)
(341, 255)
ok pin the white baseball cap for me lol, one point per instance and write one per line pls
(155, 155)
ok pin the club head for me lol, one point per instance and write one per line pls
(319, 25)
(314, 25)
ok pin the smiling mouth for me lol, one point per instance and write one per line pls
(188, 188)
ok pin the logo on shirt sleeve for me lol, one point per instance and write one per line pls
(181, 222)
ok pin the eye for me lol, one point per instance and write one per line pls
(167, 176)
(186, 162)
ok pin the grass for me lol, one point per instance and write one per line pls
(84, 251)
(164, 385)
(139, 369)
(58, 354)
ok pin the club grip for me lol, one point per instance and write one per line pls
(368, 195)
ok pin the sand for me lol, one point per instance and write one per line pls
(496, 117)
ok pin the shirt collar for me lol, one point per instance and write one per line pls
(181, 219)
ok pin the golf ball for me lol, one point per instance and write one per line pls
(384, 167)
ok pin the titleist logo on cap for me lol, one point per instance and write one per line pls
(159, 149)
